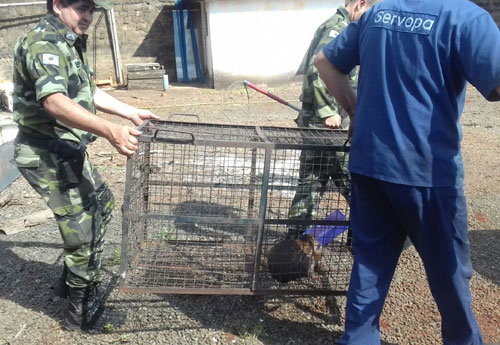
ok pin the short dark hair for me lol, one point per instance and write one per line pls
(65, 3)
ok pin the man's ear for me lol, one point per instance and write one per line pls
(56, 7)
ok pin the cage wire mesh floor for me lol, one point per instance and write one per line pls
(207, 208)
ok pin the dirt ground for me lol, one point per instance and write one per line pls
(30, 261)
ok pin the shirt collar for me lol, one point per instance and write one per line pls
(69, 36)
(341, 11)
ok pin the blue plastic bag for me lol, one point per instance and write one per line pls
(324, 234)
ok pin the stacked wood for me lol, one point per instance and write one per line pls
(145, 76)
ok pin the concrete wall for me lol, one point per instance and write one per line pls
(261, 40)
(265, 40)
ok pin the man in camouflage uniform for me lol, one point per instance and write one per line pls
(321, 110)
(55, 101)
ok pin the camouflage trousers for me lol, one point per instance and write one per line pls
(317, 169)
(82, 211)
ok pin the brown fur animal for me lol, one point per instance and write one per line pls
(293, 259)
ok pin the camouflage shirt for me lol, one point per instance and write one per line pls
(50, 58)
(315, 96)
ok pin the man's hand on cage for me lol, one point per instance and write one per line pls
(124, 139)
(333, 121)
(141, 115)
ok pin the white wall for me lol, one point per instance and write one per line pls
(261, 40)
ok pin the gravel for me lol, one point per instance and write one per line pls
(30, 261)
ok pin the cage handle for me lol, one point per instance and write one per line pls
(157, 130)
(144, 124)
(182, 114)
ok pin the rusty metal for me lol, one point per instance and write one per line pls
(205, 203)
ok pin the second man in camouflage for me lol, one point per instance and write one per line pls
(321, 110)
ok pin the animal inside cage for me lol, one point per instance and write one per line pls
(208, 210)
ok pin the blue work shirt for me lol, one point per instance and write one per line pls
(415, 60)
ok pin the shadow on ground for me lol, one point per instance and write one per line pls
(261, 318)
(249, 317)
(485, 246)
(28, 283)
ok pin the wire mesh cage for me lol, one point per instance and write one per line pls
(226, 209)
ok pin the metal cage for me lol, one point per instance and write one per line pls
(205, 204)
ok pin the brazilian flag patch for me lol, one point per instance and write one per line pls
(50, 59)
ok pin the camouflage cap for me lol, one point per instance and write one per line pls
(106, 4)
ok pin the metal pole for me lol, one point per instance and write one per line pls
(270, 95)
(195, 47)
(110, 14)
(182, 39)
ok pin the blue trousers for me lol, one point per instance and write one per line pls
(435, 219)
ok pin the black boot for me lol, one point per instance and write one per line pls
(84, 309)
(74, 314)
(61, 289)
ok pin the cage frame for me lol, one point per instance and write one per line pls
(268, 146)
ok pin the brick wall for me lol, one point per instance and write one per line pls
(14, 21)
(145, 33)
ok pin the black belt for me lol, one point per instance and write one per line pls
(30, 140)
(46, 143)
(72, 155)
